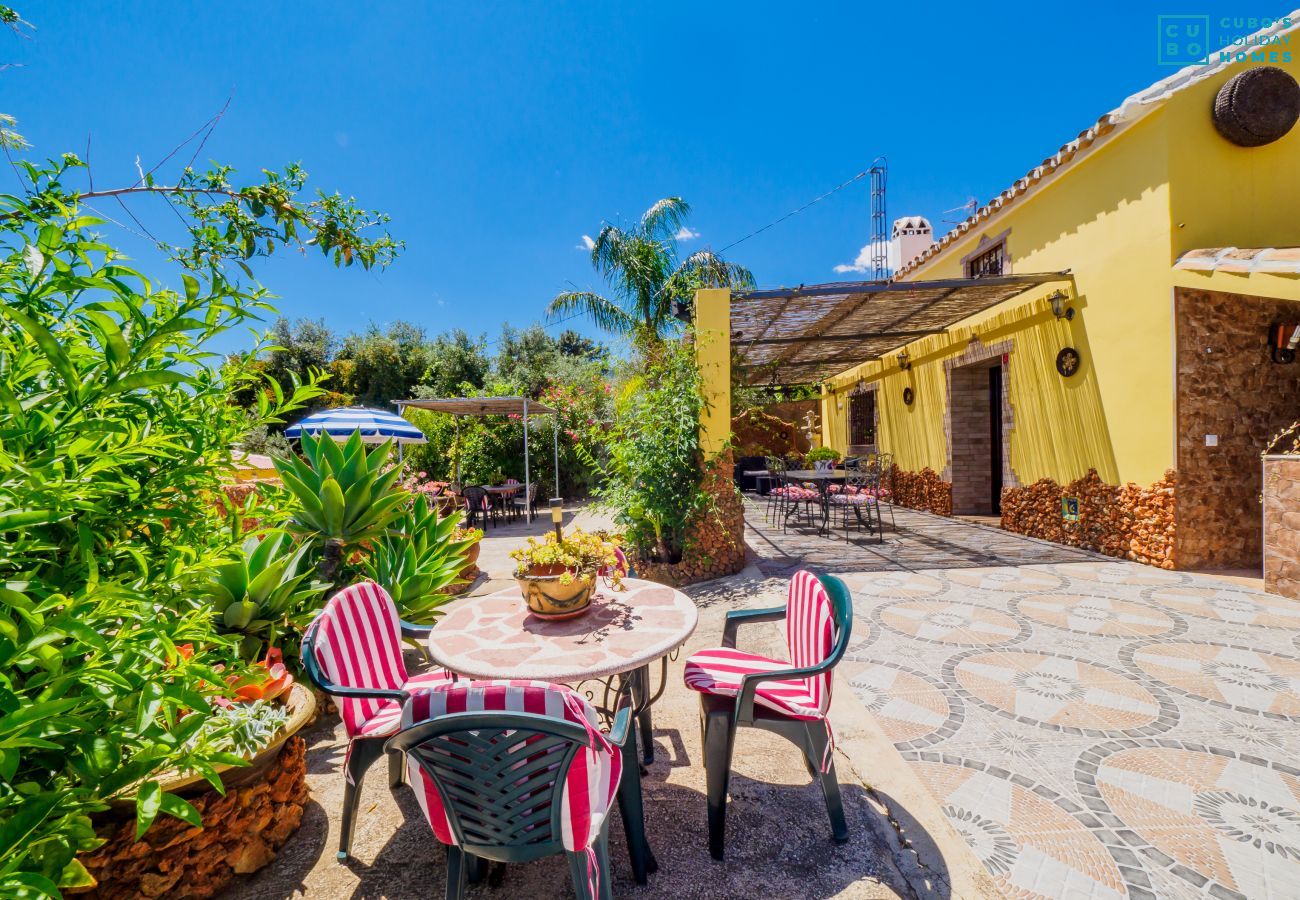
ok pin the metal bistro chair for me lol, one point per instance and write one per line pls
(512, 771)
(520, 505)
(856, 500)
(789, 698)
(882, 465)
(353, 652)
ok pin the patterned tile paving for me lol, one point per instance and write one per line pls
(1093, 728)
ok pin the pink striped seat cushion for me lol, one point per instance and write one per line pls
(797, 493)
(358, 644)
(809, 626)
(862, 499)
(591, 784)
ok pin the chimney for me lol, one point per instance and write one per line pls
(912, 236)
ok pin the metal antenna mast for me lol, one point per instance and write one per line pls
(879, 237)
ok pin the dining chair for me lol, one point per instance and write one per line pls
(856, 500)
(352, 651)
(788, 697)
(520, 504)
(884, 472)
(477, 504)
(512, 771)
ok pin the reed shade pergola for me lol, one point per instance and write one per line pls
(496, 406)
(806, 334)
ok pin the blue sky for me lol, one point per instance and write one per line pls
(497, 134)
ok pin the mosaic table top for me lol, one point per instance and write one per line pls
(495, 636)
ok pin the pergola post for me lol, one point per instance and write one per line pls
(713, 358)
(528, 475)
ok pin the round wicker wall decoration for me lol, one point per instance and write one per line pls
(908, 396)
(1257, 107)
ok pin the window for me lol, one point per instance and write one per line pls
(988, 262)
(862, 418)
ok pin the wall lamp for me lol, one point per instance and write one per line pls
(904, 361)
(1059, 299)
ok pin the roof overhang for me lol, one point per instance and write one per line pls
(806, 334)
(479, 406)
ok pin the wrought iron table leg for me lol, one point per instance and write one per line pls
(644, 720)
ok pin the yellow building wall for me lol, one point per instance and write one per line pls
(1107, 222)
(1118, 218)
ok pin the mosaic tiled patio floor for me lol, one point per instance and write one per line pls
(1092, 728)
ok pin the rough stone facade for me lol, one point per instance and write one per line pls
(1227, 387)
(757, 433)
(1282, 525)
(715, 541)
(241, 833)
(1129, 521)
(923, 490)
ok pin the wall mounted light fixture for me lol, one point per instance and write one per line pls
(904, 361)
(1059, 299)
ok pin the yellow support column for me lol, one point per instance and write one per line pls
(713, 356)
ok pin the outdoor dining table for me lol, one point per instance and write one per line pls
(823, 479)
(605, 654)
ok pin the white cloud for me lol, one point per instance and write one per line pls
(685, 234)
(587, 243)
(862, 263)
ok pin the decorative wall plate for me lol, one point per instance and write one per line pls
(908, 396)
(1068, 361)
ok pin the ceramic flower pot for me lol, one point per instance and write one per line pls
(548, 597)
(823, 465)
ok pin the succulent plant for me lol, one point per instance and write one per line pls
(420, 558)
(266, 593)
(344, 495)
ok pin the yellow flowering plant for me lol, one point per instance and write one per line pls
(580, 554)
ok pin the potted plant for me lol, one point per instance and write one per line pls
(473, 536)
(557, 575)
(823, 459)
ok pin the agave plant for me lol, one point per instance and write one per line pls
(417, 562)
(266, 594)
(344, 495)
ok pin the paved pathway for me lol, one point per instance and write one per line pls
(1092, 728)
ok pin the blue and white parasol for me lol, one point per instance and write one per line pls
(375, 425)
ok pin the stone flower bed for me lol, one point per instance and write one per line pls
(1128, 521)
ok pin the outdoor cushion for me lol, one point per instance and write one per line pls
(359, 645)
(720, 670)
(796, 493)
(591, 784)
(853, 499)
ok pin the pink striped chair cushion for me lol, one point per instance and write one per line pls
(720, 670)
(592, 782)
(797, 493)
(853, 499)
(621, 565)
(358, 644)
(810, 636)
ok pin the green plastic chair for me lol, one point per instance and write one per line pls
(499, 778)
(723, 712)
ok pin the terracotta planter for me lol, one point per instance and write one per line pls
(471, 561)
(549, 597)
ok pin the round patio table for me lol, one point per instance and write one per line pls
(605, 654)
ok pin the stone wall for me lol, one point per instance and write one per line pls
(923, 490)
(1282, 525)
(1129, 521)
(241, 833)
(715, 540)
(1227, 387)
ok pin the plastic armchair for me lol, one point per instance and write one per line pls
(729, 702)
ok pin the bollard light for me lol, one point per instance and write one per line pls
(557, 517)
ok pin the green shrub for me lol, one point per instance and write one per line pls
(419, 560)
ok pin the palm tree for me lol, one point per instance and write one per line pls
(642, 268)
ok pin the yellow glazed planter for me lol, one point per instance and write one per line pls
(550, 598)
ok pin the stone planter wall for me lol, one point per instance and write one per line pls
(241, 833)
(923, 490)
(1129, 521)
(1282, 525)
(715, 541)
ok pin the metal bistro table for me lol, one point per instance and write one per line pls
(606, 654)
(823, 479)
